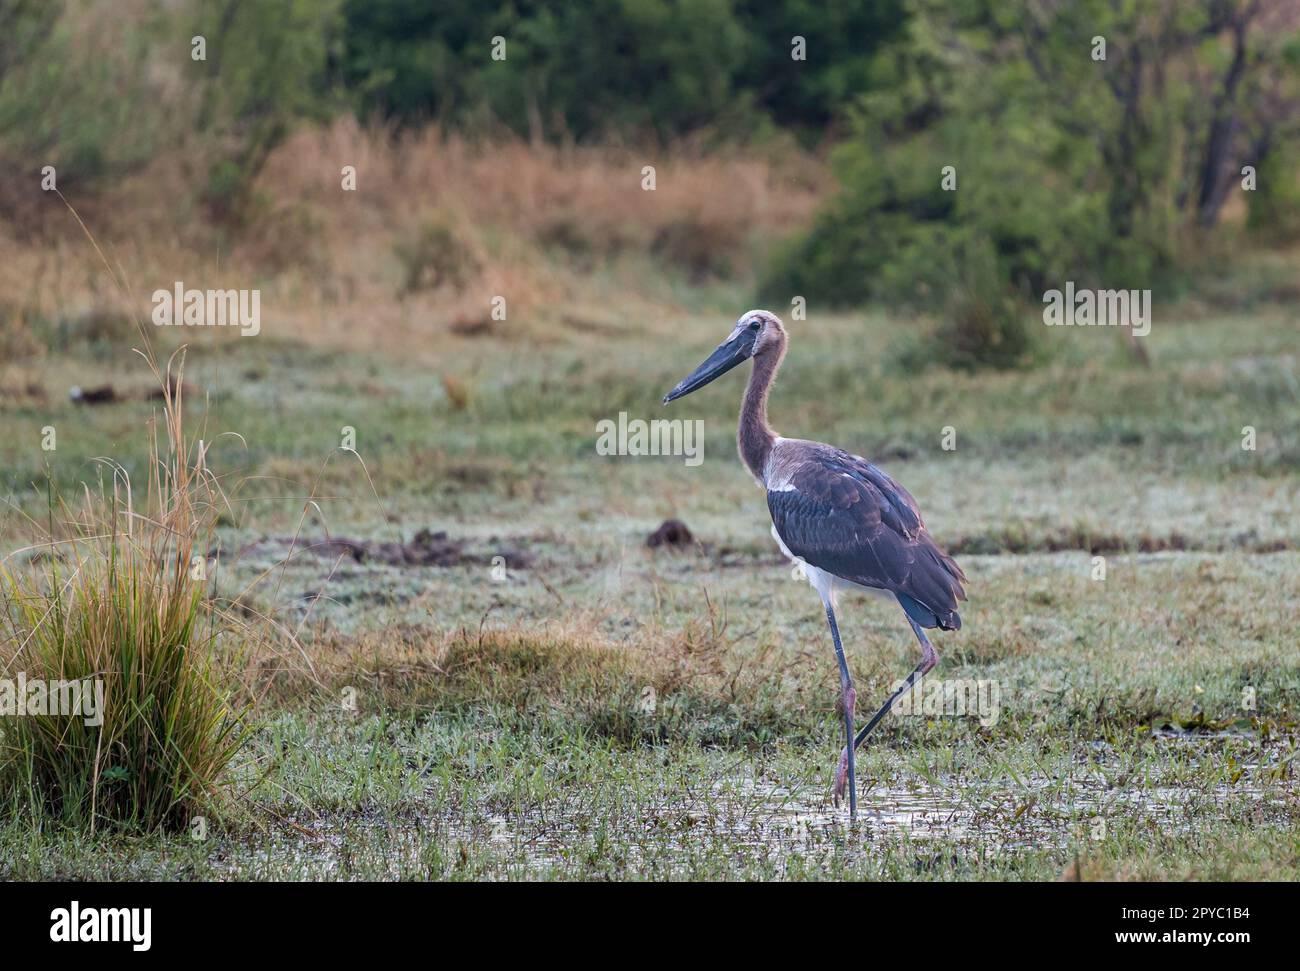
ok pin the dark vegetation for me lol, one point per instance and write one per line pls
(1112, 169)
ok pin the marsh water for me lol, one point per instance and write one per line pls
(753, 818)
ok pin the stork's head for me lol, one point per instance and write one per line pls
(757, 333)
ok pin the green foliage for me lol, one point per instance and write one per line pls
(265, 69)
(95, 94)
(1066, 166)
(980, 322)
(568, 68)
(70, 91)
(659, 66)
(841, 44)
(1275, 204)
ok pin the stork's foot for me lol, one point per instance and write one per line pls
(841, 776)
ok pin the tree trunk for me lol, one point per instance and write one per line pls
(1216, 169)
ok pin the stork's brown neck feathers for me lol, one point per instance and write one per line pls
(755, 436)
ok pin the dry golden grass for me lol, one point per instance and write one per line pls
(437, 227)
(414, 664)
(114, 594)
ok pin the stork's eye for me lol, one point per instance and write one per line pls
(755, 324)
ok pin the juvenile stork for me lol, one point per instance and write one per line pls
(848, 524)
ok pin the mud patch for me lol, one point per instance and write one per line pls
(426, 548)
(671, 533)
(101, 395)
(1019, 542)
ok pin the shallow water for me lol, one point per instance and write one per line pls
(748, 818)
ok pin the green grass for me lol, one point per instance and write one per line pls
(113, 602)
(1148, 721)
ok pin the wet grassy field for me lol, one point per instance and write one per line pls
(538, 694)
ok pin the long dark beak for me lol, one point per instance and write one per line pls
(728, 355)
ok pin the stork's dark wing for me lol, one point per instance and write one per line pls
(842, 514)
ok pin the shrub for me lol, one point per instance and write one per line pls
(1058, 167)
(613, 66)
(119, 598)
(265, 69)
(70, 92)
(433, 256)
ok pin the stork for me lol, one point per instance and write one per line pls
(844, 521)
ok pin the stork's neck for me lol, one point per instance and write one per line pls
(755, 436)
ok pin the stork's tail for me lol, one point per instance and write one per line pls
(925, 617)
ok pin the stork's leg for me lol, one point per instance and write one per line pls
(848, 700)
(929, 658)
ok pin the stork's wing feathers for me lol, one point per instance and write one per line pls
(845, 516)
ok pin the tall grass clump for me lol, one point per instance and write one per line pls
(116, 592)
